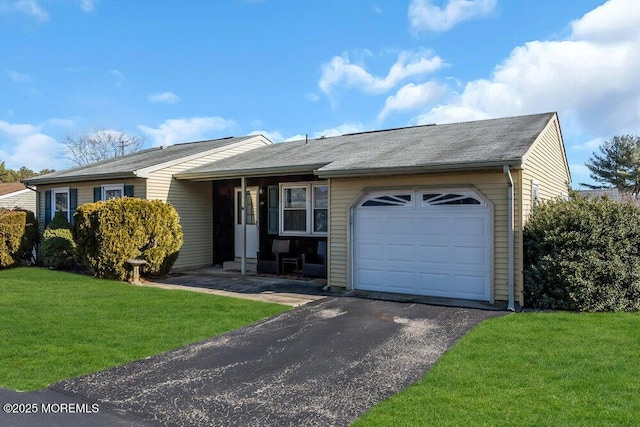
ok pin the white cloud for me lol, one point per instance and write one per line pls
(164, 97)
(590, 77)
(412, 96)
(87, 5)
(313, 97)
(119, 77)
(612, 21)
(174, 131)
(61, 123)
(340, 71)
(271, 136)
(339, 130)
(18, 77)
(335, 131)
(31, 8)
(28, 146)
(579, 173)
(425, 16)
(590, 146)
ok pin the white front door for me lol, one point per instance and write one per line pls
(251, 216)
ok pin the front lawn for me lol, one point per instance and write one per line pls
(529, 369)
(56, 325)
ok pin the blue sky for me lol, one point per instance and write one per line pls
(186, 71)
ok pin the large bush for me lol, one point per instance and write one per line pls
(31, 237)
(18, 236)
(110, 232)
(11, 232)
(58, 246)
(583, 255)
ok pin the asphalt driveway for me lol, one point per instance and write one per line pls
(324, 363)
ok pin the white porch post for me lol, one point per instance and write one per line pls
(243, 214)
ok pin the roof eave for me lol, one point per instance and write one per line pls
(145, 172)
(79, 178)
(408, 170)
(251, 172)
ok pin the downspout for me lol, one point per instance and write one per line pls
(510, 239)
(243, 207)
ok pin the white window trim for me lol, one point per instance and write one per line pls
(106, 188)
(310, 206)
(535, 191)
(60, 190)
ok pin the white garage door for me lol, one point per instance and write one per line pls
(435, 243)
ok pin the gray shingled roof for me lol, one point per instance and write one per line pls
(474, 144)
(127, 166)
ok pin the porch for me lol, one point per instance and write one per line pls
(284, 228)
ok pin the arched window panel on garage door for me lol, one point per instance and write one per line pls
(457, 198)
(388, 200)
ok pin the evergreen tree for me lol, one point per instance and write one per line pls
(617, 164)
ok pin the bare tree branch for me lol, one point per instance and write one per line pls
(100, 144)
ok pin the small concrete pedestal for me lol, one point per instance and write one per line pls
(135, 269)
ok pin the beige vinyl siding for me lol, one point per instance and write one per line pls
(346, 191)
(22, 199)
(545, 162)
(193, 201)
(85, 192)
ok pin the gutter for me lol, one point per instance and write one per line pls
(444, 167)
(510, 239)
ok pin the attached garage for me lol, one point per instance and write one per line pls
(434, 243)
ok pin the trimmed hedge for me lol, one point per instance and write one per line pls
(12, 226)
(18, 236)
(583, 255)
(58, 246)
(110, 232)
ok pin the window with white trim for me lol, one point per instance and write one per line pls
(114, 191)
(60, 202)
(535, 190)
(304, 208)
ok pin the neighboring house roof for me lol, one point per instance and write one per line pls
(468, 145)
(138, 164)
(612, 193)
(11, 187)
(15, 194)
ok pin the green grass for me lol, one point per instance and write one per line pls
(56, 325)
(529, 369)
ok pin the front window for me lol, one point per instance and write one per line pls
(320, 209)
(304, 208)
(112, 191)
(60, 202)
(295, 210)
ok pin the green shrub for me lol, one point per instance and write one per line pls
(58, 246)
(110, 232)
(12, 231)
(583, 255)
(31, 237)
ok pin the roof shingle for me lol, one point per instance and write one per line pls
(126, 166)
(468, 144)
